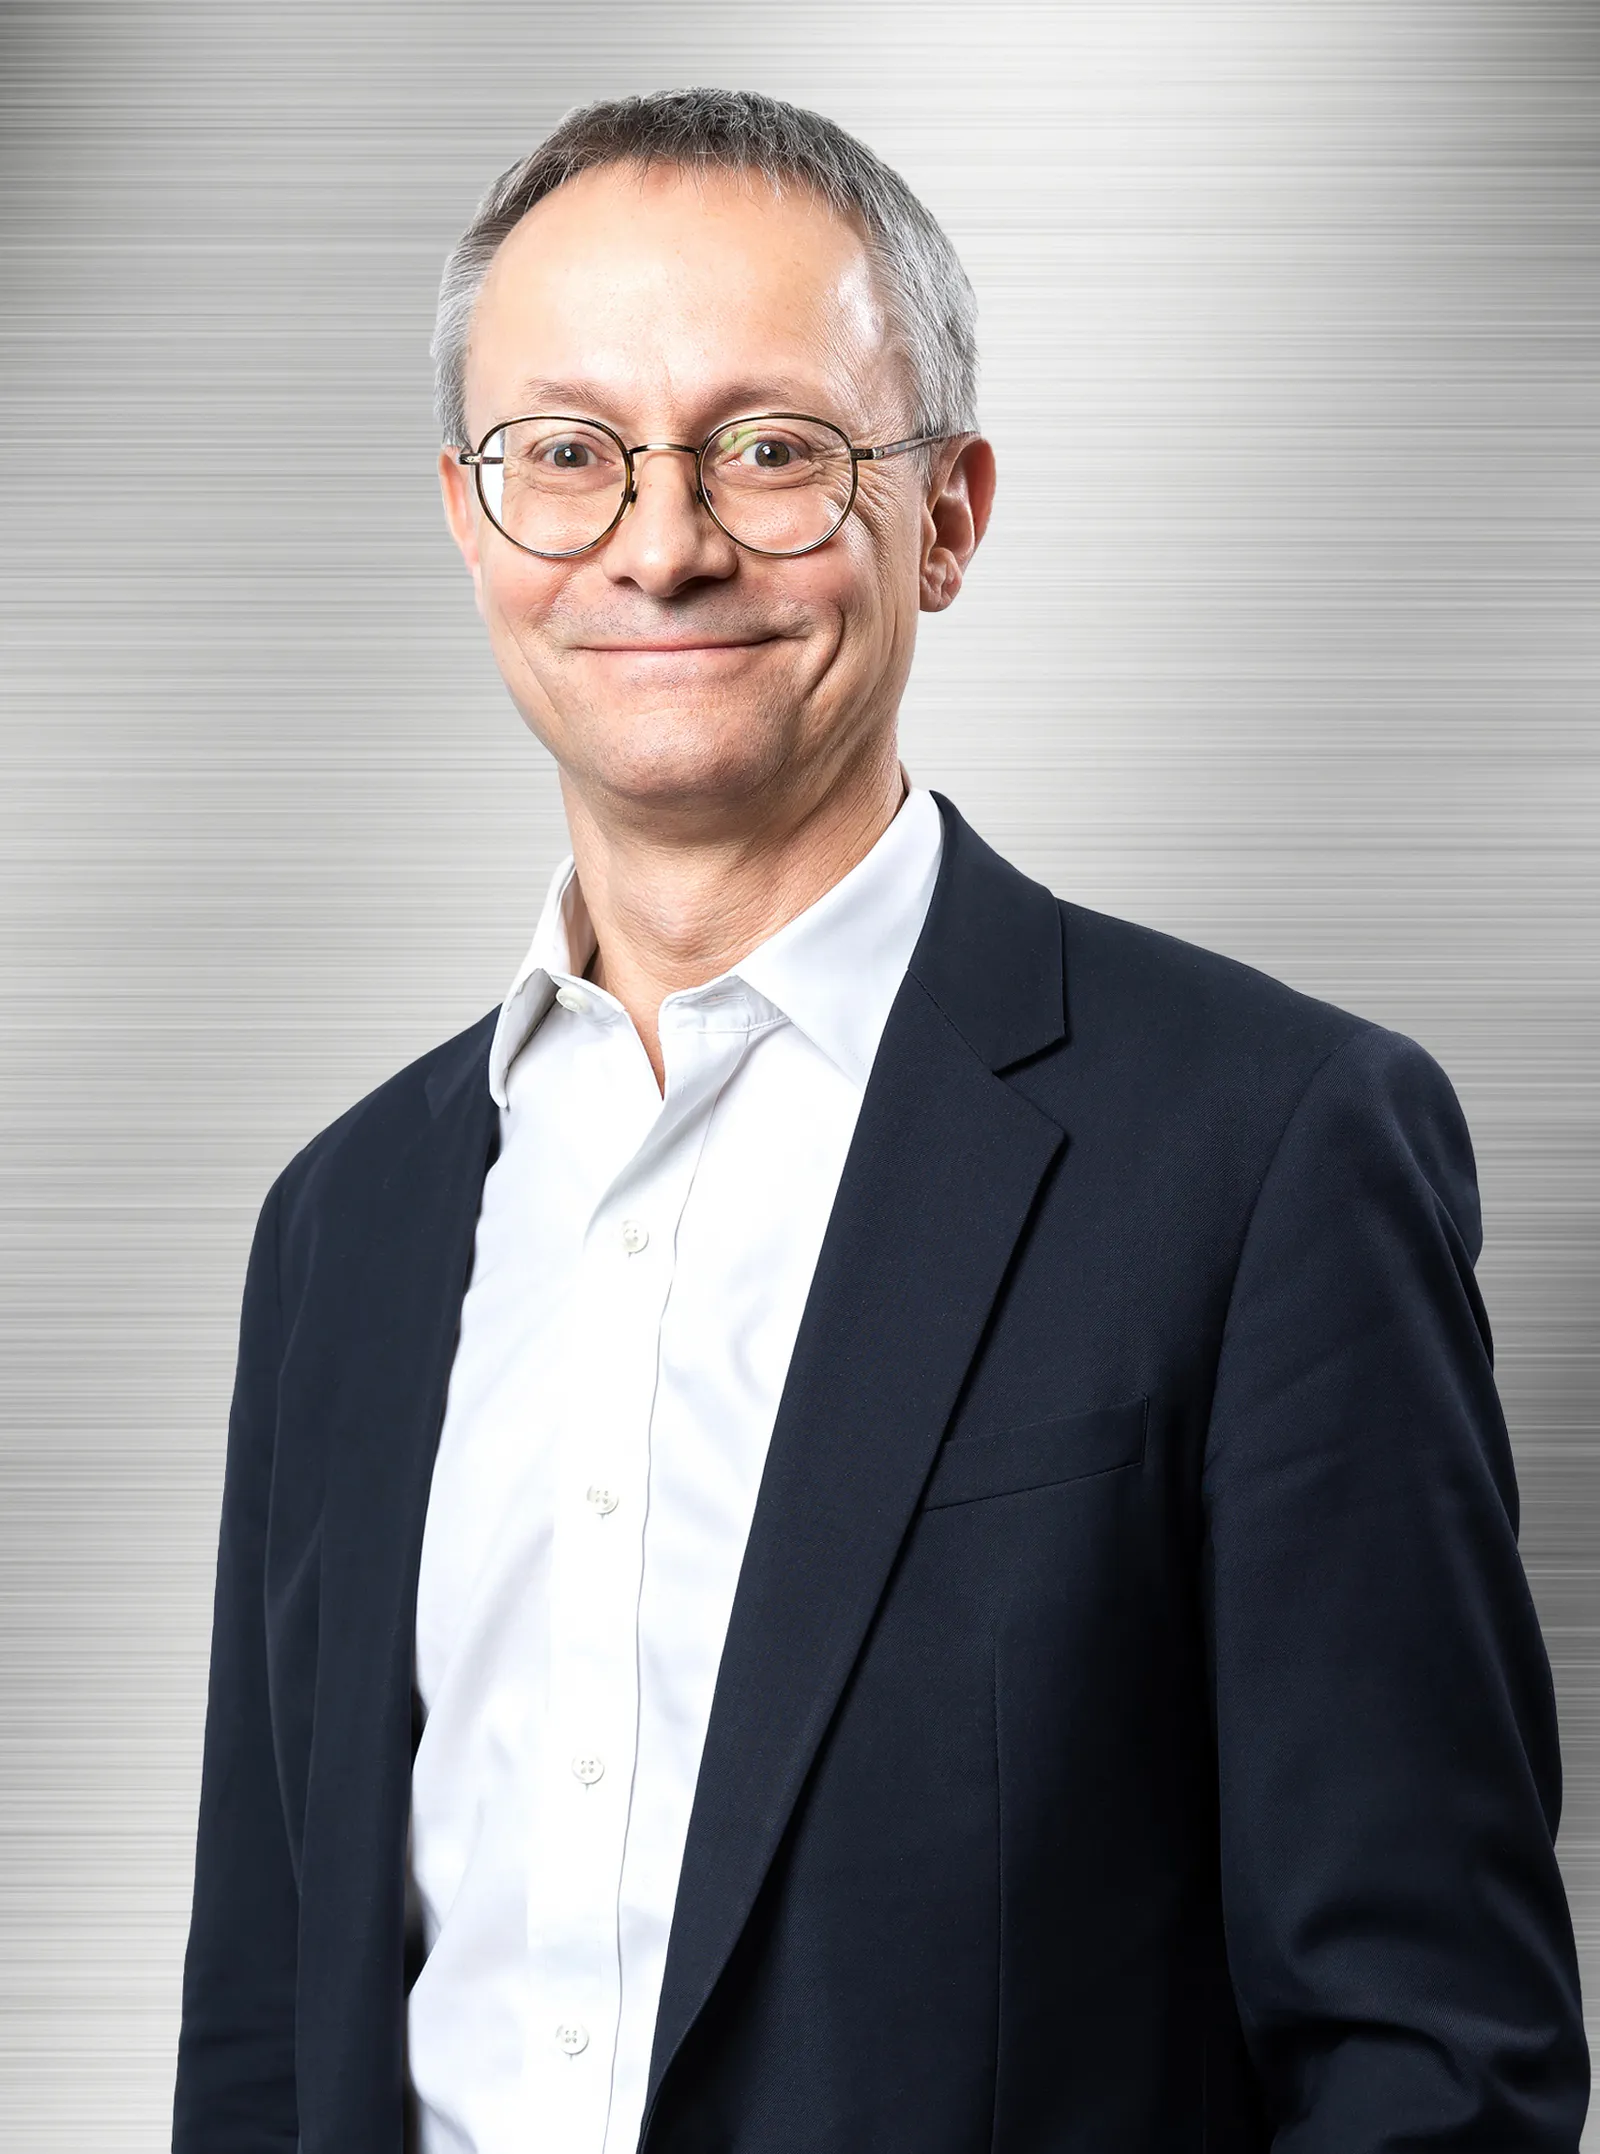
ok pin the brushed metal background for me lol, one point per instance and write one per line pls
(1284, 639)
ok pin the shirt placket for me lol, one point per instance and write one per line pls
(583, 1776)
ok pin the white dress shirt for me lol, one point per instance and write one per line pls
(640, 1269)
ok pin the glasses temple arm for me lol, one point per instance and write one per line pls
(899, 448)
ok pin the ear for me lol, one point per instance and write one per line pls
(954, 518)
(461, 514)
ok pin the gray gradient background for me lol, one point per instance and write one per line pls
(1284, 640)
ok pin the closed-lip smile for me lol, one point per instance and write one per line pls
(688, 643)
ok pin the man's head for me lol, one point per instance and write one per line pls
(665, 265)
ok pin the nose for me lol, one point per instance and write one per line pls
(666, 540)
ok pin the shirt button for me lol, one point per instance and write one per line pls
(571, 2039)
(571, 998)
(588, 1770)
(603, 1500)
(634, 1236)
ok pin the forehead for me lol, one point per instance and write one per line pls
(662, 288)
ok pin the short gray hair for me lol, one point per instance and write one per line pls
(927, 299)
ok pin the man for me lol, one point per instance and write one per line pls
(881, 1498)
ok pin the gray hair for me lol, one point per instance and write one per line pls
(928, 302)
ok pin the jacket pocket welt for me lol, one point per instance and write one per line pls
(1039, 1455)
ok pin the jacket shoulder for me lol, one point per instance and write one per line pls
(1208, 1060)
(1183, 1029)
(1154, 988)
(363, 1139)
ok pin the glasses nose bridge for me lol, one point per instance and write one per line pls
(647, 448)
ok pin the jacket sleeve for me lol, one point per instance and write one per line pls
(1389, 1776)
(236, 2049)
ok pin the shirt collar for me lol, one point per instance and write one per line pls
(563, 943)
(833, 970)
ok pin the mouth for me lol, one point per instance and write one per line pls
(678, 647)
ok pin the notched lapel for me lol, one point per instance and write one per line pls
(943, 1172)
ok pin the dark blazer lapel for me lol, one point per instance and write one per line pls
(944, 1170)
(400, 1310)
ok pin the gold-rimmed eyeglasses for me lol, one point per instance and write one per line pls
(779, 482)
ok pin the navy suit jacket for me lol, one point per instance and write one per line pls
(1134, 1731)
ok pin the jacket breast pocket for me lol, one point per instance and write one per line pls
(1038, 1455)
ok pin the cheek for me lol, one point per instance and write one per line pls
(891, 549)
(521, 593)
(854, 584)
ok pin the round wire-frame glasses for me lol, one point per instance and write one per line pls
(480, 459)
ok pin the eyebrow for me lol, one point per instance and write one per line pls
(578, 399)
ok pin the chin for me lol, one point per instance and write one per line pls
(693, 787)
(685, 759)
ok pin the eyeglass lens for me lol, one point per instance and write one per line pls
(777, 483)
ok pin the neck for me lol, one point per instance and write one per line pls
(670, 915)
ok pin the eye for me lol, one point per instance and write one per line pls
(542, 452)
(568, 455)
(746, 453)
